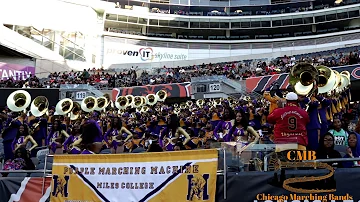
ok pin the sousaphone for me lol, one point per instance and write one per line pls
(304, 78)
(151, 99)
(327, 79)
(122, 102)
(18, 101)
(161, 95)
(89, 104)
(64, 106)
(39, 106)
(75, 111)
(102, 103)
(345, 79)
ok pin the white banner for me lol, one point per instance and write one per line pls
(116, 52)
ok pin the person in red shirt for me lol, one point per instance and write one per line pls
(290, 123)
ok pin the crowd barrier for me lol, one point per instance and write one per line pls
(232, 183)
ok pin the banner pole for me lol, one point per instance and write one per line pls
(225, 174)
(44, 176)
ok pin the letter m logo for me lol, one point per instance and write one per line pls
(198, 187)
(60, 186)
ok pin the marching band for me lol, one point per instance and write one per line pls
(134, 123)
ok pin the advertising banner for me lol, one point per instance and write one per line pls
(174, 90)
(164, 176)
(259, 84)
(116, 52)
(17, 72)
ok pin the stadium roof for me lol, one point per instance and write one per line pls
(5, 51)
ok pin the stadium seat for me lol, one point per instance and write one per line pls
(340, 148)
(17, 175)
(37, 175)
(41, 166)
(105, 151)
(35, 161)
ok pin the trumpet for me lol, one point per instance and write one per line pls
(161, 95)
(64, 106)
(121, 102)
(39, 106)
(89, 104)
(18, 101)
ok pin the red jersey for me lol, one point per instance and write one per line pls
(290, 124)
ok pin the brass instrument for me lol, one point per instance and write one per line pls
(189, 103)
(157, 109)
(216, 102)
(144, 109)
(183, 105)
(18, 100)
(177, 111)
(200, 103)
(176, 105)
(151, 99)
(75, 111)
(64, 106)
(144, 100)
(130, 100)
(102, 103)
(161, 95)
(304, 78)
(327, 79)
(39, 106)
(89, 104)
(122, 102)
(138, 101)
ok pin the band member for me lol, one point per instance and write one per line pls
(39, 127)
(92, 139)
(71, 144)
(9, 134)
(290, 123)
(56, 138)
(225, 125)
(241, 132)
(171, 134)
(22, 138)
(113, 137)
(314, 126)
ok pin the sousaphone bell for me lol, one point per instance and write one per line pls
(327, 79)
(151, 99)
(161, 95)
(304, 78)
(89, 104)
(64, 106)
(75, 111)
(138, 101)
(102, 103)
(130, 100)
(39, 106)
(122, 102)
(18, 100)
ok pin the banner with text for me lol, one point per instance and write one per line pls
(17, 72)
(167, 176)
(116, 52)
(173, 90)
